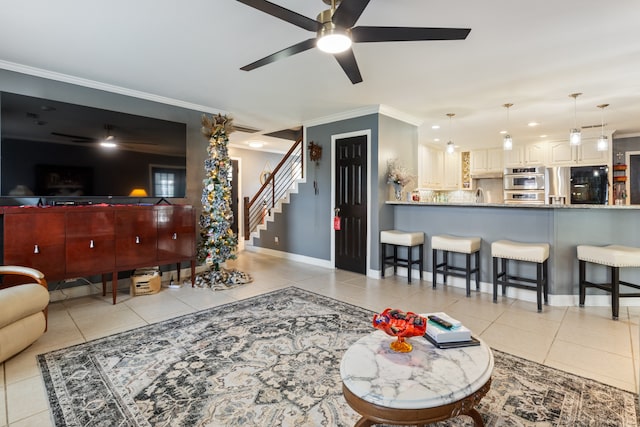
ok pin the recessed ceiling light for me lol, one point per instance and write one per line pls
(503, 132)
(543, 136)
(256, 144)
(532, 124)
(435, 127)
(436, 139)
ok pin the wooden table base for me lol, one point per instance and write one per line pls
(376, 414)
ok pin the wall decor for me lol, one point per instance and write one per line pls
(315, 154)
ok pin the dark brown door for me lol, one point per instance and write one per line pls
(351, 200)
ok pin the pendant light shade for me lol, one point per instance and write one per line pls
(507, 141)
(575, 136)
(450, 147)
(603, 141)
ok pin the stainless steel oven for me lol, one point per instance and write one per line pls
(524, 178)
(535, 197)
(524, 185)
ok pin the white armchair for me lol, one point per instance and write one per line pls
(23, 310)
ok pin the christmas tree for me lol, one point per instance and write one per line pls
(217, 242)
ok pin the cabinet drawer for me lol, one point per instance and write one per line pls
(176, 233)
(37, 241)
(90, 247)
(136, 237)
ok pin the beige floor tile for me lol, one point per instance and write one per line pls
(477, 306)
(596, 361)
(162, 307)
(200, 298)
(529, 321)
(26, 398)
(616, 340)
(516, 341)
(109, 323)
(41, 419)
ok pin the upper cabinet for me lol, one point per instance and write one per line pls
(526, 155)
(431, 167)
(561, 153)
(558, 153)
(451, 171)
(487, 161)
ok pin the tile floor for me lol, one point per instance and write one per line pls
(582, 341)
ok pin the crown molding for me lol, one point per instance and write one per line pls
(65, 78)
(363, 111)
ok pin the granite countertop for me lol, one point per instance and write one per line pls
(512, 205)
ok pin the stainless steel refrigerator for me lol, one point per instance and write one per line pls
(558, 185)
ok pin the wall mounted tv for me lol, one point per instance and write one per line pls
(55, 149)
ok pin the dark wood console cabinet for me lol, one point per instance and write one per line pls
(76, 241)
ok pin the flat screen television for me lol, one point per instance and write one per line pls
(55, 149)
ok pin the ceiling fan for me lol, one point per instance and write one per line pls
(337, 25)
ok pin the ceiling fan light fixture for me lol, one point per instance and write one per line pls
(108, 144)
(332, 39)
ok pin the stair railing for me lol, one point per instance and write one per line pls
(275, 187)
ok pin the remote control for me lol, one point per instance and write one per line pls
(440, 322)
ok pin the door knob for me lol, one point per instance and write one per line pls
(175, 236)
(137, 239)
(36, 249)
(91, 245)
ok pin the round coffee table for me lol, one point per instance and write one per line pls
(417, 388)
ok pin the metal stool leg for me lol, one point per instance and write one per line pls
(495, 279)
(615, 291)
(434, 274)
(468, 274)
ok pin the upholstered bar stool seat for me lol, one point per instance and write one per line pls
(464, 245)
(507, 250)
(398, 238)
(614, 257)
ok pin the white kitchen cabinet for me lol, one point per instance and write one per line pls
(562, 154)
(514, 157)
(451, 171)
(527, 155)
(588, 154)
(489, 160)
(431, 166)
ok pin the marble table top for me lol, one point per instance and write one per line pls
(426, 377)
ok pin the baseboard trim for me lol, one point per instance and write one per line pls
(287, 255)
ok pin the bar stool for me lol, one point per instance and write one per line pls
(397, 238)
(537, 253)
(614, 257)
(464, 245)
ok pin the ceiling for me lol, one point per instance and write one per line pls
(531, 54)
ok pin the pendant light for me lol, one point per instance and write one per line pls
(575, 137)
(507, 141)
(603, 141)
(450, 147)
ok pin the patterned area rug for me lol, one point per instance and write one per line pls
(273, 360)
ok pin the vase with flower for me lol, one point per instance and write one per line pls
(398, 176)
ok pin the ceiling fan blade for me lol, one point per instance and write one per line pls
(284, 53)
(282, 13)
(404, 34)
(347, 61)
(76, 138)
(348, 12)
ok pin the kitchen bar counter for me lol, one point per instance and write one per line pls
(513, 205)
(562, 226)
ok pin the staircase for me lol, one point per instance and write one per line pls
(274, 192)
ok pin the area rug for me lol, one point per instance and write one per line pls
(273, 360)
